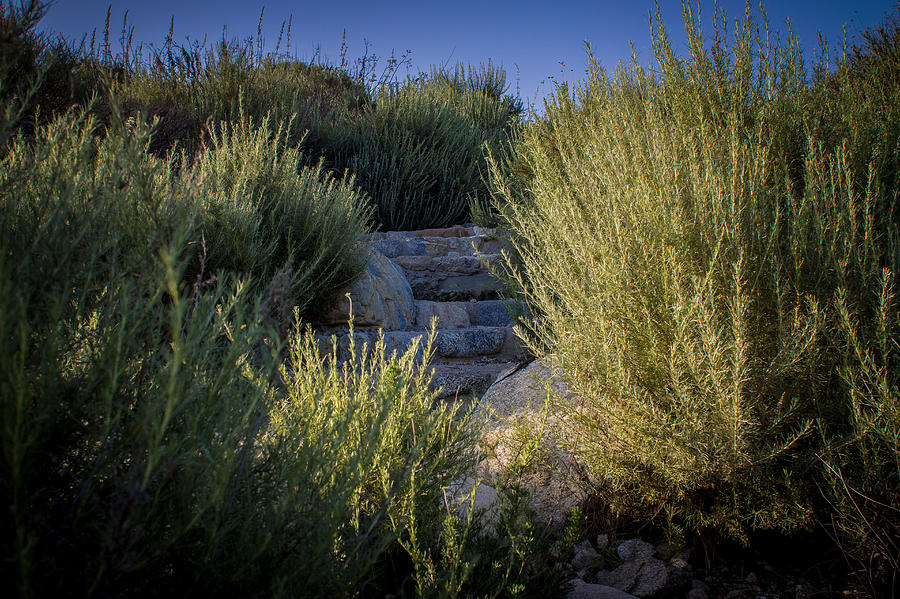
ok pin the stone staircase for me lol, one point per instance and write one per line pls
(417, 276)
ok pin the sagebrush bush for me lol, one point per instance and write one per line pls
(40, 75)
(420, 152)
(416, 158)
(417, 149)
(262, 211)
(153, 441)
(232, 80)
(709, 248)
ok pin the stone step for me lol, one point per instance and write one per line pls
(457, 380)
(468, 230)
(498, 342)
(451, 278)
(455, 315)
(437, 246)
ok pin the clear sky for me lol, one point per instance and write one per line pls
(533, 41)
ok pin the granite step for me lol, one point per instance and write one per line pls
(437, 246)
(451, 278)
(456, 315)
(458, 380)
(474, 342)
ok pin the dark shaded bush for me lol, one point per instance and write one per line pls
(421, 152)
(262, 212)
(153, 442)
(40, 76)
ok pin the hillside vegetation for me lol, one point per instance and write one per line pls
(708, 247)
(168, 427)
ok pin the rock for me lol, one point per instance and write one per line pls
(696, 594)
(470, 342)
(666, 551)
(381, 298)
(634, 549)
(489, 313)
(455, 231)
(448, 278)
(677, 578)
(680, 564)
(700, 585)
(602, 541)
(401, 341)
(449, 315)
(485, 500)
(584, 590)
(516, 404)
(641, 577)
(586, 558)
(458, 381)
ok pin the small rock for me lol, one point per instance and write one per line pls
(584, 590)
(586, 557)
(641, 577)
(677, 578)
(634, 549)
(666, 551)
(751, 578)
(700, 585)
(696, 594)
(602, 541)
(680, 564)
(652, 577)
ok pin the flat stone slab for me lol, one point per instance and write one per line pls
(436, 246)
(454, 315)
(490, 313)
(471, 342)
(456, 380)
(450, 315)
(450, 278)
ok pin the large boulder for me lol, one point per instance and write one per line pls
(381, 298)
(527, 434)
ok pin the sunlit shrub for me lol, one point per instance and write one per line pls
(710, 248)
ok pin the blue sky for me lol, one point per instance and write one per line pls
(533, 41)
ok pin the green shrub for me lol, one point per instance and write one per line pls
(152, 441)
(420, 153)
(478, 93)
(417, 149)
(37, 70)
(230, 80)
(417, 159)
(691, 240)
(259, 217)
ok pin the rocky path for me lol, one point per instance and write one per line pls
(417, 276)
